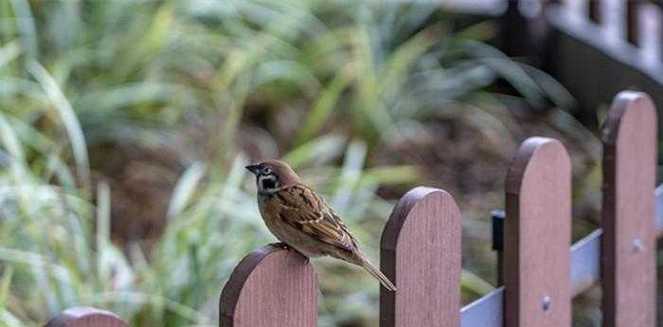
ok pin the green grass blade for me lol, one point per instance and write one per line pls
(26, 25)
(9, 52)
(185, 189)
(323, 107)
(69, 120)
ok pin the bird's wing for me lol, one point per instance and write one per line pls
(303, 209)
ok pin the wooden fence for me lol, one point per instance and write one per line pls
(542, 271)
(576, 41)
(275, 287)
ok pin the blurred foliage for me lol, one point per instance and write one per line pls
(331, 86)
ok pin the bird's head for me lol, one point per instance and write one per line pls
(272, 175)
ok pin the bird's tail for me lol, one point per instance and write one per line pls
(375, 272)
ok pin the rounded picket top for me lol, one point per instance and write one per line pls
(536, 153)
(271, 286)
(632, 114)
(628, 218)
(421, 254)
(537, 236)
(86, 317)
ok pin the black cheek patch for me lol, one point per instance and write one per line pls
(268, 184)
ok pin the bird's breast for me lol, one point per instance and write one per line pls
(271, 211)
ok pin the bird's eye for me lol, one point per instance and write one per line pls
(267, 171)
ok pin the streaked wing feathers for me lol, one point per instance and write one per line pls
(305, 210)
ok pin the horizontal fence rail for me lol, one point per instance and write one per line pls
(585, 273)
(632, 122)
(593, 48)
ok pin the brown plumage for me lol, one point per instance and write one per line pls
(300, 218)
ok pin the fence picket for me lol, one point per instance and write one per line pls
(271, 286)
(594, 11)
(633, 21)
(537, 236)
(421, 252)
(86, 317)
(629, 244)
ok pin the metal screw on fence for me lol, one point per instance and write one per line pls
(498, 216)
(546, 302)
(637, 245)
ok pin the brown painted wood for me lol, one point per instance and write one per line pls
(594, 11)
(581, 53)
(421, 252)
(629, 241)
(659, 3)
(86, 317)
(514, 34)
(271, 286)
(538, 236)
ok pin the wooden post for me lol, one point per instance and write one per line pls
(594, 11)
(86, 317)
(525, 35)
(538, 236)
(514, 34)
(421, 253)
(629, 241)
(632, 21)
(659, 5)
(271, 286)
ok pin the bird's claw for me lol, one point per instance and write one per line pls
(284, 246)
(281, 245)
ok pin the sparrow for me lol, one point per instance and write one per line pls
(303, 221)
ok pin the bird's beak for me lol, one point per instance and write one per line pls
(253, 168)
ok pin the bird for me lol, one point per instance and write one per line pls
(302, 219)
